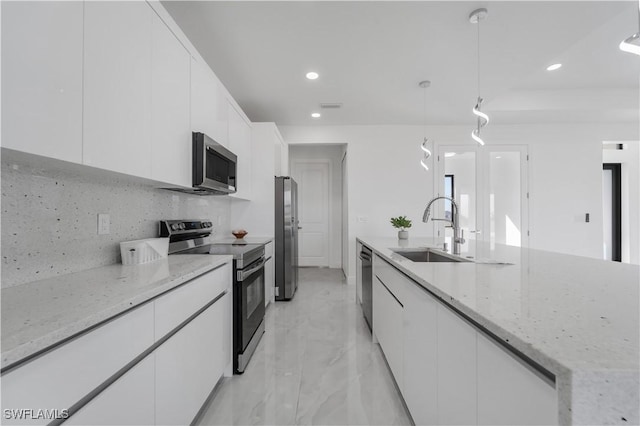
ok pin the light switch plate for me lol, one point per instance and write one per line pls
(104, 224)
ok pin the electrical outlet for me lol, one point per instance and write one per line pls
(104, 224)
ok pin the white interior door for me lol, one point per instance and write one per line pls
(313, 210)
(490, 186)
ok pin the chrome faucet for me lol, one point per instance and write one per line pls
(458, 234)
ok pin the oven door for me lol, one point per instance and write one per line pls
(250, 307)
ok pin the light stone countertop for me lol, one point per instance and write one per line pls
(247, 240)
(577, 317)
(40, 314)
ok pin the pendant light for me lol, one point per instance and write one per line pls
(629, 44)
(482, 119)
(425, 149)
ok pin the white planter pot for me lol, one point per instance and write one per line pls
(403, 235)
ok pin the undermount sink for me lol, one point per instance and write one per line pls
(428, 255)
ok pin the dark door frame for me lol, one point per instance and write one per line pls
(616, 209)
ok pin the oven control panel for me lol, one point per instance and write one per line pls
(170, 228)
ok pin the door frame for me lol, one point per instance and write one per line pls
(330, 224)
(344, 244)
(616, 209)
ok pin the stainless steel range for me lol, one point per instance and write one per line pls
(194, 237)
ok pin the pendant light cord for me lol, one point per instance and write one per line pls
(424, 119)
(478, 62)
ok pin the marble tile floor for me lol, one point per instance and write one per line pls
(315, 364)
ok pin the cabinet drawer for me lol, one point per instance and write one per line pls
(190, 363)
(62, 377)
(391, 277)
(387, 326)
(115, 406)
(179, 304)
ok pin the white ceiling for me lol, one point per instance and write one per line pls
(372, 54)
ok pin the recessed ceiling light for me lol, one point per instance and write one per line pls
(449, 154)
(315, 115)
(498, 156)
(554, 67)
(312, 75)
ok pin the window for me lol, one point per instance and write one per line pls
(449, 191)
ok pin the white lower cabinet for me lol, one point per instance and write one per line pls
(176, 306)
(511, 392)
(420, 355)
(456, 369)
(168, 386)
(128, 401)
(189, 364)
(448, 371)
(60, 378)
(387, 326)
(269, 273)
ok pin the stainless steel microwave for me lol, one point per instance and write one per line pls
(214, 166)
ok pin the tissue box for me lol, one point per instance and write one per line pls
(143, 251)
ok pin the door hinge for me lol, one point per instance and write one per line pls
(527, 195)
(528, 234)
(438, 158)
(527, 157)
(277, 291)
(438, 232)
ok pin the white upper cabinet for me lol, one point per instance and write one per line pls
(117, 86)
(240, 145)
(281, 156)
(170, 119)
(42, 78)
(208, 104)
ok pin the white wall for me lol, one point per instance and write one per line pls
(385, 177)
(334, 154)
(630, 160)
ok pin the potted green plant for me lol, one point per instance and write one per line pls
(402, 223)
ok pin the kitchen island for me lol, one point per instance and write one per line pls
(574, 319)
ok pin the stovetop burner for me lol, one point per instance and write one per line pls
(194, 237)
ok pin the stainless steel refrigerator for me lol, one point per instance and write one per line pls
(286, 234)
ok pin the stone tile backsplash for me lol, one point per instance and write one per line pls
(50, 216)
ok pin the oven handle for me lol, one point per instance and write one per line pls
(241, 275)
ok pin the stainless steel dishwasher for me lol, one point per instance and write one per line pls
(367, 284)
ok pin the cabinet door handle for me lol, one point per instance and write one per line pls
(390, 292)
